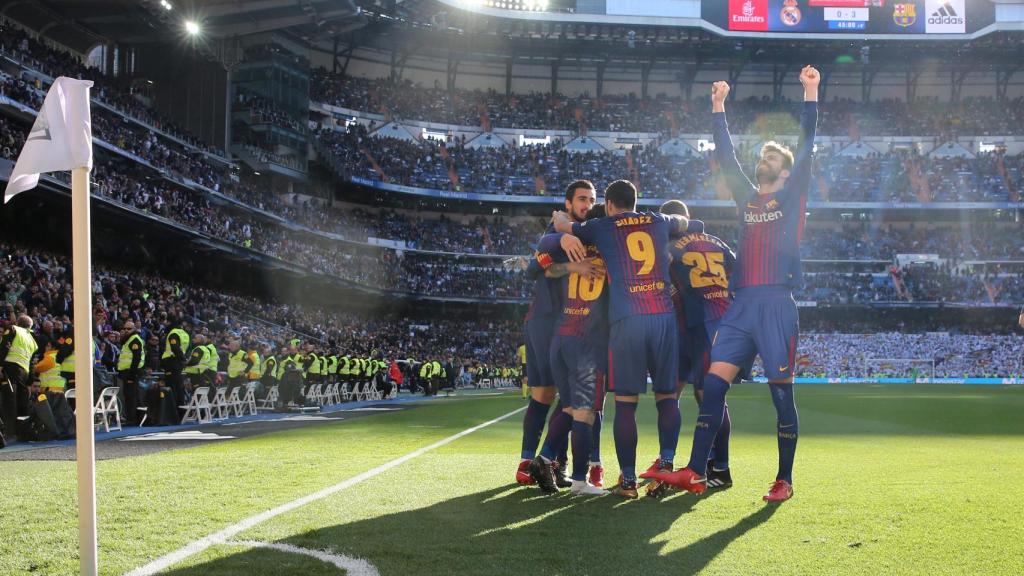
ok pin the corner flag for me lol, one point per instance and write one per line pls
(60, 139)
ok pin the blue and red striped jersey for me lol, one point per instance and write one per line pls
(700, 274)
(585, 304)
(584, 312)
(633, 247)
(771, 225)
(545, 301)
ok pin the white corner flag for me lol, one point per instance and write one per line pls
(61, 138)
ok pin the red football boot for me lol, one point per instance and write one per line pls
(684, 479)
(596, 476)
(523, 474)
(655, 467)
(779, 492)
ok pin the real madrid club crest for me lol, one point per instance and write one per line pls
(790, 14)
(904, 14)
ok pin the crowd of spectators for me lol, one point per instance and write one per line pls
(39, 284)
(888, 354)
(896, 176)
(926, 116)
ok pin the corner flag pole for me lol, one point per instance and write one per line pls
(85, 445)
(61, 139)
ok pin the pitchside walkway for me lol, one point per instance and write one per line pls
(135, 440)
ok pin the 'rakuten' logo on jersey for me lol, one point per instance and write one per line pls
(945, 17)
(748, 15)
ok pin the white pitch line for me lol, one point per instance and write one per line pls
(221, 537)
(351, 566)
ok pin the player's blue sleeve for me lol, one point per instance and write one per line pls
(799, 182)
(677, 225)
(676, 249)
(534, 270)
(550, 243)
(739, 185)
(588, 231)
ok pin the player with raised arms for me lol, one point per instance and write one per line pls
(763, 317)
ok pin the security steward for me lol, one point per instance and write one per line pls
(129, 370)
(173, 360)
(16, 349)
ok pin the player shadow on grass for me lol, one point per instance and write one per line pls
(513, 530)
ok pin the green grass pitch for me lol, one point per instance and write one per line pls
(889, 480)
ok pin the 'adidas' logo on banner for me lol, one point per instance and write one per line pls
(945, 10)
(946, 14)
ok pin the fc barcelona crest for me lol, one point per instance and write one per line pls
(904, 14)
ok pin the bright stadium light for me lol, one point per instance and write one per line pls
(166, 5)
(192, 27)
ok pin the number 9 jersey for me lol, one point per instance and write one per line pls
(633, 247)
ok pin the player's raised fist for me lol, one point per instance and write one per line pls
(810, 77)
(719, 91)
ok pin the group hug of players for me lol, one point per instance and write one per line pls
(622, 294)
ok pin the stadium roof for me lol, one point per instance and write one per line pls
(81, 24)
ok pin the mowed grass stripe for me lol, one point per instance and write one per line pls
(151, 505)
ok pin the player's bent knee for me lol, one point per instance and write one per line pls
(543, 394)
(583, 415)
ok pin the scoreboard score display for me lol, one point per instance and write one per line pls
(850, 16)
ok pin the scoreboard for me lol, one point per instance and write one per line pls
(844, 17)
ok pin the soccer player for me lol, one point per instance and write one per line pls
(642, 336)
(700, 269)
(763, 318)
(579, 352)
(580, 196)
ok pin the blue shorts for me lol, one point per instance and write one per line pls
(697, 359)
(684, 356)
(538, 332)
(576, 365)
(642, 344)
(761, 320)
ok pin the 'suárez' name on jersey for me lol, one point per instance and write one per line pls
(633, 221)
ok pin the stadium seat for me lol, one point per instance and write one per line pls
(270, 400)
(198, 409)
(106, 406)
(220, 404)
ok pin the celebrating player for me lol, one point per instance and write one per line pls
(544, 311)
(763, 318)
(642, 336)
(579, 353)
(700, 269)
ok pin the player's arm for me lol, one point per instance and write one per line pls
(799, 182)
(586, 268)
(739, 185)
(1020, 319)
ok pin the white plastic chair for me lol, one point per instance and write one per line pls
(248, 402)
(106, 406)
(220, 404)
(198, 409)
(270, 401)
